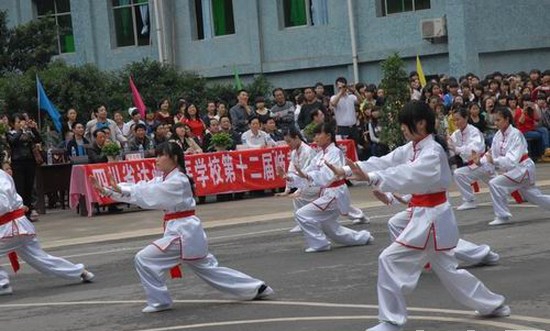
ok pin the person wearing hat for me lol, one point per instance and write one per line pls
(128, 129)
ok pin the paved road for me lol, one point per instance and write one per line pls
(334, 290)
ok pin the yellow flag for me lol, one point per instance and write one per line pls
(420, 72)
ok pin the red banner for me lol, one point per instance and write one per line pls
(213, 173)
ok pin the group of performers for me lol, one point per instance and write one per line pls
(417, 174)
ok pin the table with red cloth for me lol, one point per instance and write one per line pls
(213, 173)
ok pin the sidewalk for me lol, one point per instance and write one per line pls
(65, 227)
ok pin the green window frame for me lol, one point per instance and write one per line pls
(60, 10)
(304, 13)
(132, 22)
(214, 18)
(399, 6)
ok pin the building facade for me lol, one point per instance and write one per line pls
(296, 43)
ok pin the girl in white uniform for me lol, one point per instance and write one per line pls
(319, 218)
(508, 155)
(465, 251)
(301, 155)
(18, 238)
(467, 139)
(184, 239)
(420, 168)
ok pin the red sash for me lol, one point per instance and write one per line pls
(175, 272)
(337, 183)
(428, 200)
(4, 219)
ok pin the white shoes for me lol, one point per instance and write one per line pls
(490, 259)
(501, 311)
(370, 241)
(500, 221)
(263, 292)
(87, 276)
(467, 205)
(386, 326)
(362, 220)
(6, 290)
(317, 250)
(295, 229)
(156, 308)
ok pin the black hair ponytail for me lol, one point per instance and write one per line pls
(416, 111)
(171, 149)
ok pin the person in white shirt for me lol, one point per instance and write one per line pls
(184, 239)
(343, 103)
(318, 219)
(128, 128)
(18, 237)
(508, 156)
(420, 168)
(256, 138)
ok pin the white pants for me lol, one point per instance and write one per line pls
(353, 214)
(501, 186)
(152, 264)
(465, 176)
(464, 251)
(400, 267)
(29, 250)
(317, 224)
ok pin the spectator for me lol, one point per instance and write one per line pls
(162, 115)
(222, 110)
(119, 120)
(282, 110)
(344, 104)
(375, 129)
(23, 138)
(543, 88)
(270, 127)
(180, 111)
(79, 142)
(542, 103)
(256, 138)
(95, 153)
(128, 129)
(100, 122)
(311, 104)
(185, 138)
(151, 123)
(467, 94)
(71, 118)
(320, 92)
(140, 138)
(69, 135)
(491, 129)
(261, 110)
(414, 89)
(193, 120)
(240, 113)
(212, 130)
(317, 118)
(159, 135)
(477, 118)
(211, 113)
(225, 126)
(526, 121)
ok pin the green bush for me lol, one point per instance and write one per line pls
(110, 149)
(221, 140)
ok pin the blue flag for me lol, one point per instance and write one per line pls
(46, 105)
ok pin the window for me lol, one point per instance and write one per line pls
(305, 12)
(60, 10)
(214, 18)
(132, 24)
(399, 6)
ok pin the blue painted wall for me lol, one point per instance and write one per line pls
(483, 36)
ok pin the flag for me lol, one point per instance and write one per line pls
(238, 83)
(46, 105)
(420, 72)
(136, 98)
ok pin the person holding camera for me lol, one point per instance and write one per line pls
(343, 103)
(526, 120)
(22, 140)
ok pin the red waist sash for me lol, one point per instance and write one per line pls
(337, 183)
(428, 200)
(178, 214)
(5, 219)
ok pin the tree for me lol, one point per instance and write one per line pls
(395, 85)
(27, 45)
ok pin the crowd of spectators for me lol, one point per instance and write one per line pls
(355, 108)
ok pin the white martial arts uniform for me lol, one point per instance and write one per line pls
(422, 169)
(19, 235)
(465, 141)
(184, 240)
(319, 218)
(302, 156)
(465, 251)
(509, 152)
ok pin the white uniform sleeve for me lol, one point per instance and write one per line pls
(324, 176)
(397, 156)
(152, 194)
(475, 143)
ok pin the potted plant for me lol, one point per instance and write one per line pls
(111, 150)
(221, 141)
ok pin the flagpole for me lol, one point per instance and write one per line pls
(38, 99)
